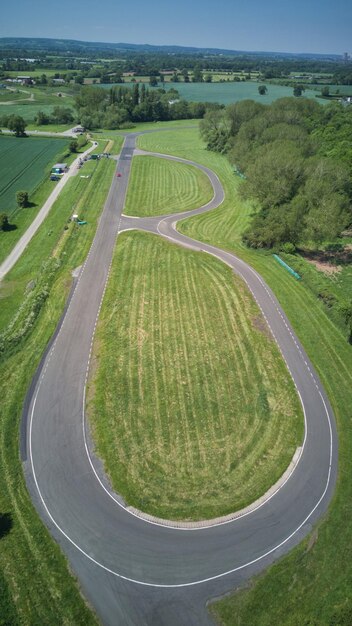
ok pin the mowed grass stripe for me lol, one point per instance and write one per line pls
(182, 412)
(158, 186)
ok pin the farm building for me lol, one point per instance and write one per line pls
(25, 80)
(59, 169)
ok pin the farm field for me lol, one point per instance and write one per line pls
(188, 380)
(287, 593)
(225, 93)
(7, 95)
(158, 187)
(28, 109)
(27, 101)
(23, 163)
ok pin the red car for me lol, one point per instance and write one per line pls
(118, 174)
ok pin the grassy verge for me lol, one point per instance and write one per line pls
(188, 380)
(158, 187)
(35, 583)
(312, 584)
(142, 126)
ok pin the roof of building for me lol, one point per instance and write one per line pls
(60, 166)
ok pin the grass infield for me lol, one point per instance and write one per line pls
(158, 186)
(188, 381)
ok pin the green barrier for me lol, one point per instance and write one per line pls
(287, 267)
(238, 172)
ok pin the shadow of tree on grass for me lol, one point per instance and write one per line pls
(6, 524)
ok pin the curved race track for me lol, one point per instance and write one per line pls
(133, 571)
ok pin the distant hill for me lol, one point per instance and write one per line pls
(64, 46)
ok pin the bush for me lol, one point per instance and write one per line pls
(22, 198)
(28, 313)
(288, 247)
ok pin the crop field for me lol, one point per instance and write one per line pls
(27, 101)
(158, 186)
(189, 381)
(23, 164)
(27, 109)
(228, 92)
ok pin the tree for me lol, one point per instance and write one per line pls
(298, 90)
(62, 115)
(22, 198)
(153, 81)
(325, 91)
(4, 221)
(185, 75)
(262, 90)
(135, 94)
(143, 93)
(73, 145)
(42, 118)
(214, 129)
(17, 125)
(275, 173)
(197, 74)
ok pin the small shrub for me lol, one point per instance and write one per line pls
(288, 247)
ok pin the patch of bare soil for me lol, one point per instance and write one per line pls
(329, 262)
(327, 268)
(260, 323)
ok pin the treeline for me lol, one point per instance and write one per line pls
(107, 59)
(118, 107)
(343, 76)
(296, 158)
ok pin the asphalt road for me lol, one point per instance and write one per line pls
(135, 572)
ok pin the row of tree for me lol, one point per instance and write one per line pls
(296, 157)
(119, 106)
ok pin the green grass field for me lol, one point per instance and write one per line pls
(23, 163)
(189, 381)
(157, 187)
(312, 585)
(228, 92)
(11, 96)
(35, 582)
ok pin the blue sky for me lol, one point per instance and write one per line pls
(323, 26)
